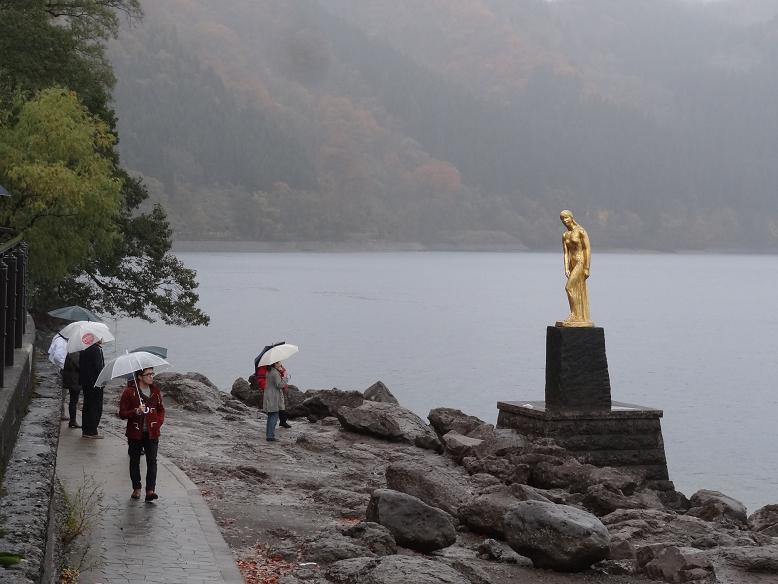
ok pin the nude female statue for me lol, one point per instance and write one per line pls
(578, 257)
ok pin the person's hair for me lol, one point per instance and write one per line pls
(139, 372)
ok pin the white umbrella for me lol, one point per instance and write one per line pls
(83, 333)
(277, 353)
(129, 363)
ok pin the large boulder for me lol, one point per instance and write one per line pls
(502, 442)
(192, 391)
(321, 403)
(378, 392)
(440, 487)
(412, 522)
(558, 537)
(242, 391)
(444, 420)
(389, 421)
(716, 506)
(765, 520)
(485, 513)
(394, 570)
(602, 500)
(644, 527)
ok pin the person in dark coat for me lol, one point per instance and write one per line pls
(141, 405)
(90, 364)
(70, 374)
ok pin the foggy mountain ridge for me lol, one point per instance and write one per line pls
(459, 123)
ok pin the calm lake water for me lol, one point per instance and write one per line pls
(693, 335)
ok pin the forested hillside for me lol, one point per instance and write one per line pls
(456, 122)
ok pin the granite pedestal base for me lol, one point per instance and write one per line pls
(624, 436)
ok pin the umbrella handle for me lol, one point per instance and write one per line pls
(140, 399)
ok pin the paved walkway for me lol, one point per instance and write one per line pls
(174, 540)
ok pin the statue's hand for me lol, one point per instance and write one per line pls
(586, 272)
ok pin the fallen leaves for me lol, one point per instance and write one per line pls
(262, 567)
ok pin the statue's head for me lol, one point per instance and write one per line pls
(567, 218)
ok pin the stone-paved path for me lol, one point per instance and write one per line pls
(174, 540)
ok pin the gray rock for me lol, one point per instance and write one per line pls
(765, 520)
(329, 546)
(504, 441)
(459, 445)
(716, 506)
(241, 390)
(679, 564)
(336, 497)
(444, 420)
(394, 570)
(378, 392)
(527, 493)
(374, 536)
(413, 523)
(320, 403)
(389, 421)
(602, 500)
(558, 537)
(485, 513)
(762, 559)
(439, 487)
(190, 392)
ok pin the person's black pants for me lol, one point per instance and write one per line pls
(73, 403)
(282, 417)
(92, 410)
(134, 449)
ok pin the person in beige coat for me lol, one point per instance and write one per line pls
(273, 401)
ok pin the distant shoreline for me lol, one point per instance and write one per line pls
(388, 246)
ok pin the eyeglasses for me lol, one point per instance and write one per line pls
(147, 374)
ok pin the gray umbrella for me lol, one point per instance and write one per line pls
(75, 313)
(4, 192)
(158, 351)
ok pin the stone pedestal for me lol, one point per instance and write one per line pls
(578, 412)
(577, 370)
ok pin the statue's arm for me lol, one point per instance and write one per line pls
(587, 251)
(566, 256)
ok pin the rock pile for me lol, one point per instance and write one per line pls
(502, 498)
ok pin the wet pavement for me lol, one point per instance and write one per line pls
(172, 540)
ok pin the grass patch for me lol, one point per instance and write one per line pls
(8, 559)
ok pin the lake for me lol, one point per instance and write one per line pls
(693, 335)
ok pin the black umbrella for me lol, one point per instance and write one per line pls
(74, 313)
(265, 350)
(158, 351)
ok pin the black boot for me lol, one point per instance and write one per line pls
(282, 417)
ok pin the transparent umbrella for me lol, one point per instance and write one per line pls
(128, 363)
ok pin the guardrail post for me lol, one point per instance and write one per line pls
(19, 315)
(3, 300)
(10, 311)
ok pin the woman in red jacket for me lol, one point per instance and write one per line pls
(141, 405)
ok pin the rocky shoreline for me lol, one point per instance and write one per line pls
(361, 490)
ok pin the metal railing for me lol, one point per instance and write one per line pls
(13, 300)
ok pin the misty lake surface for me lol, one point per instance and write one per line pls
(693, 335)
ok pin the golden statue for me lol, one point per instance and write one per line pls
(578, 257)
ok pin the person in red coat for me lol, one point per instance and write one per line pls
(141, 405)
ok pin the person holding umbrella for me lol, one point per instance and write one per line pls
(274, 397)
(141, 405)
(91, 363)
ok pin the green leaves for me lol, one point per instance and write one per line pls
(66, 197)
